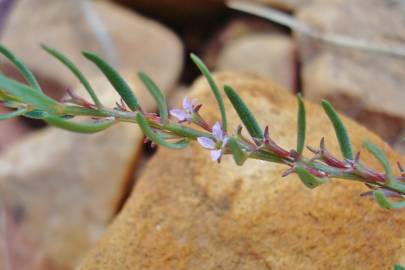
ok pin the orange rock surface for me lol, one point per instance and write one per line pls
(187, 212)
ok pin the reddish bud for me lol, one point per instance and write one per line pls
(328, 158)
(332, 161)
(315, 172)
(272, 146)
(370, 175)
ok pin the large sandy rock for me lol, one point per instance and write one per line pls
(187, 212)
(368, 86)
(269, 55)
(126, 39)
(65, 187)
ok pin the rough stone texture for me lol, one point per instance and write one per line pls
(66, 187)
(268, 55)
(367, 86)
(187, 212)
(137, 43)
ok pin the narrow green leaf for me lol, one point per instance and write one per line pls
(301, 129)
(204, 70)
(238, 155)
(5, 97)
(157, 95)
(78, 127)
(24, 70)
(13, 114)
(249, 121)
(23, 93)
(308, 179)
(340, 130)
(383, 201)
(115, 79)
(72, 67)
(380, 156)
(154, 137)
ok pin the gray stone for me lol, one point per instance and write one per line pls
(126, 39)
(366, 86)
(68, 186)
(268, 55)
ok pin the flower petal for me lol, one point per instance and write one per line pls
(217, 131)
(206, 143)
(225, 141)
(179, 114)
(187, 105)
(216, 154)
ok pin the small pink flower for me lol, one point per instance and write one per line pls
(217, 144)
(185, 114)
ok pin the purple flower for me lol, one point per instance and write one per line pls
(217, 144)
(185, 114)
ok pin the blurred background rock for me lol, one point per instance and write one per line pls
(58, 196)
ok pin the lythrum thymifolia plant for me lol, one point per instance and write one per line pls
(176, 128)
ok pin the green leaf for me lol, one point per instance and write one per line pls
(154, 137)
(115, 79)
(23, 93)
(24, 70)
(78, 127)
(238, 154)
(383, 201)
(308, 179)
(157, 95)
(72, 67)
(13, 114)
(380, 156)
(249, 121)
(340, 130)
(398, 267)
(301, 129)
(204, 70)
